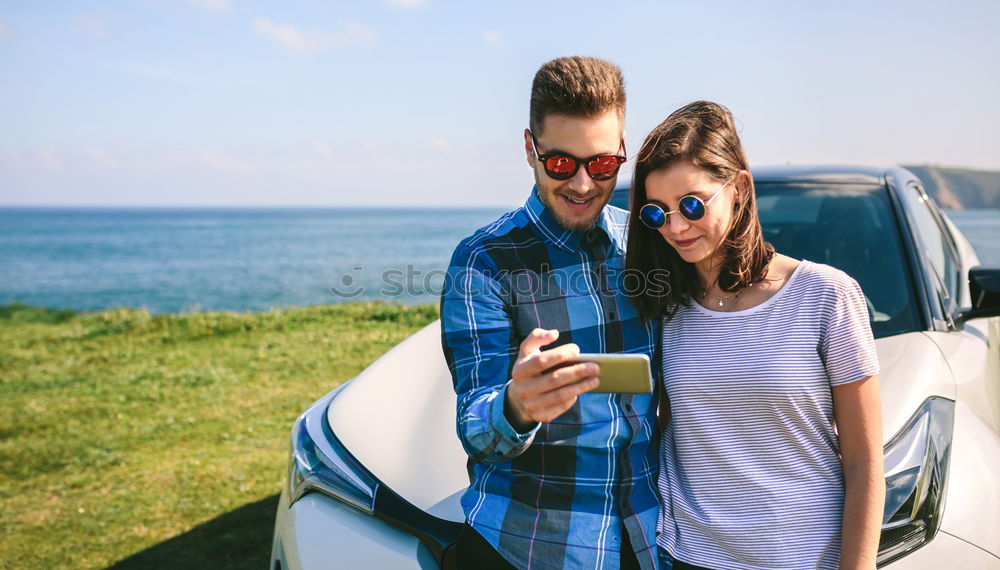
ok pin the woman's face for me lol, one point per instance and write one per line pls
(694, 240)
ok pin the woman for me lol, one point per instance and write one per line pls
(773, 455)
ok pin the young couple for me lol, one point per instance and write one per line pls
(761, 447)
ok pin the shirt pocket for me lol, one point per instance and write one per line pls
(538, 301)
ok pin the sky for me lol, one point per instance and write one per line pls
(423, 102)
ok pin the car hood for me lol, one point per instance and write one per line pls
(912, 369)
(398, 419)
(398, 416)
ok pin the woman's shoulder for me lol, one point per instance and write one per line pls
(824, 276)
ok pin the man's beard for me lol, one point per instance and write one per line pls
(569, 224)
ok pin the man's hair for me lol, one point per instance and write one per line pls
(702, 134)
(576, 86)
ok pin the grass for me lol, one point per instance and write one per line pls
(161, 441)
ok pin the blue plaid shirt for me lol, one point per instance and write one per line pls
(561, 495)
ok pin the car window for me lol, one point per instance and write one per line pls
(620, 197)
(937, 245)
(852, 228)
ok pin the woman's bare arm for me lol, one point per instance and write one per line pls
(857, 408)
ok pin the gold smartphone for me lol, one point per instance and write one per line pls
(621, 373)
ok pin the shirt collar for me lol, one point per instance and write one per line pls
(564, 239)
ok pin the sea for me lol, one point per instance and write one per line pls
(173, 260)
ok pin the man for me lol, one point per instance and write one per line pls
(559, 478)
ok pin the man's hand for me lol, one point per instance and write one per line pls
(538, 394)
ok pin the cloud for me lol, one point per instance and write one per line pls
(324, 149)
(438, 144)
(164, 73)
(101, 157)
(296, 173)
(49, 160)
(353, 33)
(492, 37)
(223, 161)
(407, 3)
(214, 5)
(303, 41)
(95, 24)
(286, 35)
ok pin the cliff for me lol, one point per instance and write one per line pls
(960, 188)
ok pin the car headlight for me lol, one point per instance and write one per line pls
(319, 462)
(916, 470)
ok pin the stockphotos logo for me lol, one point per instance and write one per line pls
(411, 281)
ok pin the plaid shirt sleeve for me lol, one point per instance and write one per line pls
(477, 339)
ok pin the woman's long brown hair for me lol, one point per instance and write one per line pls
(703, 134)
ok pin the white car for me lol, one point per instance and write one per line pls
(377, 470)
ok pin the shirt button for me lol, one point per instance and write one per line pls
(611, 315)
(628, 407)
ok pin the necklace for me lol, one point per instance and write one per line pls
(722, 300)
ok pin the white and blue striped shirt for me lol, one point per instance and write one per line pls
(751, 475)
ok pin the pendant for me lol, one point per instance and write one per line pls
(720, 302)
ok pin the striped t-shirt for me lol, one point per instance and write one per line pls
(751, 475)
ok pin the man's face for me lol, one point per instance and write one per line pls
(577, 202)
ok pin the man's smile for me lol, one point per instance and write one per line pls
(576, 204)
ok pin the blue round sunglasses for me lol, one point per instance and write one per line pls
(691, 207)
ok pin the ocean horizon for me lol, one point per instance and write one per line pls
(252, 258)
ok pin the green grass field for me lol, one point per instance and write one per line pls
(140, 441)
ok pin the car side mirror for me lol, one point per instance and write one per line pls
(984, 290)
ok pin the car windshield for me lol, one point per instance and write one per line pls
(852, 228)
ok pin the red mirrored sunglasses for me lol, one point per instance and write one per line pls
(563, 166)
